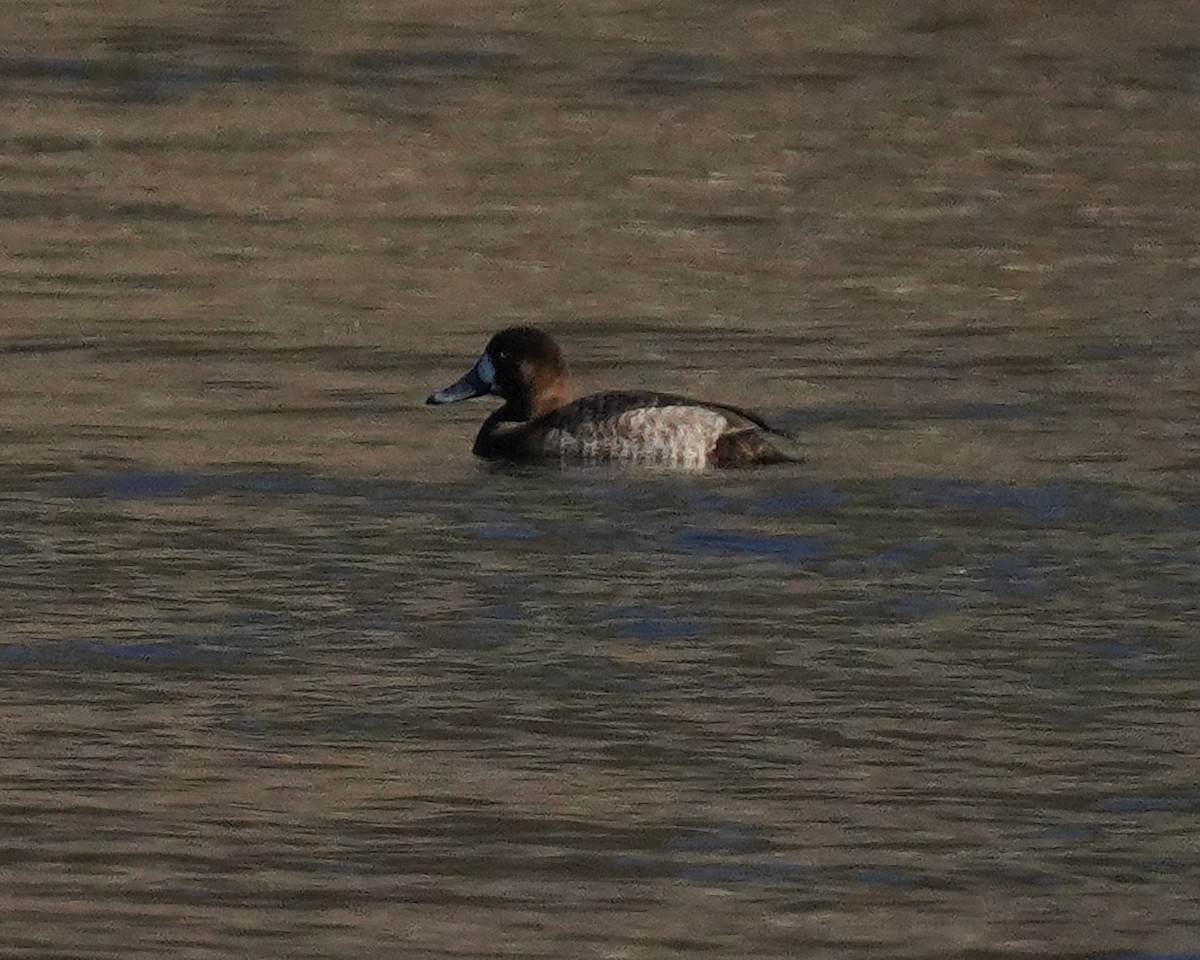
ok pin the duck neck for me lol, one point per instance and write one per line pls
(544, 399)
(552, 397)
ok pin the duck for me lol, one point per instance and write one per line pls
(542, 421)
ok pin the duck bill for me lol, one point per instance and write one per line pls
(476, 382)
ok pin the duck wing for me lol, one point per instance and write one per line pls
(666, 428)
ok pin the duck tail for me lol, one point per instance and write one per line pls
(755, 447)
(761, 443)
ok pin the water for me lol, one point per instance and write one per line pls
(285, 673)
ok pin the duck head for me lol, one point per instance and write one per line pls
(522, 365)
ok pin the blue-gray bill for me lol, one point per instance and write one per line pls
(476, 382)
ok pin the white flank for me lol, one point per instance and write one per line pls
(680, 437)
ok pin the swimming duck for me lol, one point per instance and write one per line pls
(541, 422)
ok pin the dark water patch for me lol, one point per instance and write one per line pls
(51, 143)
(722, 219)
(1186, 516)
(301, 411)
(476, 217)
(374, 620)
(415, 362)
(384, 107)
(237, 28)
(236, 140)
(147, 63)
(1176, 561)
(1187, 465)
(612, 492)
(1022, 876)
(985, 411)
(718, 836)
(651, 624)
(1038, 57)
(244, 725)
(902, 556)
(500, 526)
(1051, 504)
(888, 877)
(225, 344)
(968, 332)
(160, 212)
(69, 69)
(1015, 575)
(1194, 955)
(104, 281)
(1013, 364)
(848, 414)
(948, 18)
(14, 547)
(1129, 655)
(741, 874)
(795, 550)
(894, 369)
(1165, 866)
(43, 344)
(370, 724)
(1161, 77)
(587, 675)
(388, 67)
(669, 72)
(707, 873)
(1184, 802)
(491, 625)
(1072, 833)
(111, 653)
(278, 483)
(704, 501)
(458, 725)
(1183, 54)
(134, 486)
(49, 250)
(863, 63)
(356, 398)
(1113, 350)
(95, 294)
(24, 204)
(822, 80)
(258, 619)
(245, 386)
(137, 485)
(915, 605)
(815, 499)
(907, 555)
(155, 85)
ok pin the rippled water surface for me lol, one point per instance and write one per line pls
(285, 673)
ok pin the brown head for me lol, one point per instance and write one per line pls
(522, 365)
